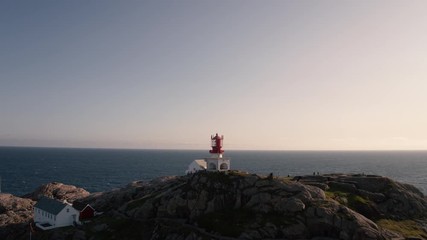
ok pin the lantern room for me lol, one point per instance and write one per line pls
(216, 144)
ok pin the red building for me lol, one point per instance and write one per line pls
(86, 210)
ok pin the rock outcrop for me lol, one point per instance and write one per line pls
(58, 191)
(15, 214)
(373, 196)
(246, 206)
(238, 205)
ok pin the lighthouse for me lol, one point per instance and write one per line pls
(216, 162)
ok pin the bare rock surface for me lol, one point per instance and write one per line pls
(376, 196)
(58, 191)
(237, 205)
(15, 214)
(246, 206)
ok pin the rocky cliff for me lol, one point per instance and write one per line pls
(237, 205)
(17, 212)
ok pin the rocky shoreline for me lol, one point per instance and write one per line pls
(234, 205)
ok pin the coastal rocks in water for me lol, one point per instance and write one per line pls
(58, 191)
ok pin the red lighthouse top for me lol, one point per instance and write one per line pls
(216, 144)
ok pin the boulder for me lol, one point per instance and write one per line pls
(58, 191)
(15, 215)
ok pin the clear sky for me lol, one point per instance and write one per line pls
(283, 75)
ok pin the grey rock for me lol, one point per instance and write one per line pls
(343, 186)
(290, 205)
(79, 235)
(100, 227)
(195, 206)
(295, 231)
(58, 191)
(250, 234)
(376, 197)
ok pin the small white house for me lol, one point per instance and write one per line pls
(196, 165)
(50, 213)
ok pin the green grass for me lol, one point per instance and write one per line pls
(356, 199)
(408, 228)
(348, 199)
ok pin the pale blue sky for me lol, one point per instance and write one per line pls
(283, 75)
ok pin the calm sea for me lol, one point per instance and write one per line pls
(24, 169)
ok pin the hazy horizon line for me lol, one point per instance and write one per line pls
(207, 149)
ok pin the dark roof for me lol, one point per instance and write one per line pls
(50, 205)
(80, 205)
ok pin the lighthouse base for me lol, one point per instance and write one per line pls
(217, 164)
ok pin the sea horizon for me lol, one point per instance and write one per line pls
(25, 168)
(205, 149)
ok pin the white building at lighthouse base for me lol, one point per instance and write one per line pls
(209, 164)
(218, 164)
(214, 163)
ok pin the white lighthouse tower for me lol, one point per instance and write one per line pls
(214, 163)
(217, 162)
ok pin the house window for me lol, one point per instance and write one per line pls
(68, 210)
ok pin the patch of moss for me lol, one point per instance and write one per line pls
(356, 202)
(329, 194)
(408, 228)
(354, 199)
(350, 200)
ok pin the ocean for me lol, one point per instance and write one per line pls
(23, 169)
